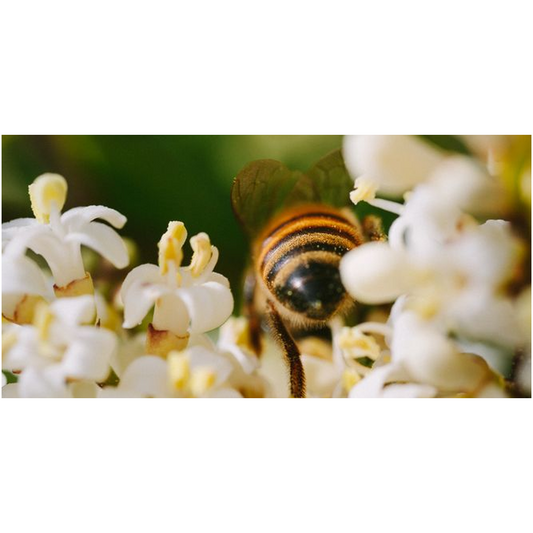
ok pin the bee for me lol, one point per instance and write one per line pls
(300, 228)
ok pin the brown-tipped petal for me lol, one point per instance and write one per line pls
(78, 287)
(25, 309)
(163, 342)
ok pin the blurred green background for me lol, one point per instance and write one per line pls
(154, 179)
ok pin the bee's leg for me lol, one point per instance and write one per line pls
(290, 350)
(250, 311)
(373, 228)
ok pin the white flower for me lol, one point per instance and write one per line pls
(234, 338)
(465, 183)
(129, 349)
(389, 381)
(234, 342)
(429, 357)
(321, 376)
(375, 273)
(58, 238)
(394, 163)
(59, 348)
(23, 285)
(194, 373)
(74, 389)
(457, 282)
(423, 362)
(447, 273)
(188, 300)
(332, 369)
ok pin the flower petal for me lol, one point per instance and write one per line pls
(11, 390)
(104, 240)
(23, 353)
(75, 218)
(89, 355)
(83, 389)
(463, 182)
(19, 223)
(16, 227)
(147, 274)
(488, 254)
(21, 275)
(199, 357)
(247, 361)
(129, 349)
(372, 385)
(209, 305)
(171, 314)
(218, 278)
(48, 382)
(321, 376)
(74, 311)
(138, 300)
(431, 358)
(409, 390)
(375, 273)
(146, 377)
(395, 162)
(64, 260)
(224, 393)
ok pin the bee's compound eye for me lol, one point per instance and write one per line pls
(313, 289)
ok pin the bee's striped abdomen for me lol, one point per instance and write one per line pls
(299, 260)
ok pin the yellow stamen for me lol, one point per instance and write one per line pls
(241, 332)
(365, 190)
(42, 320)
(201, 381)
(201, 246)
(170, 246)
(349, 379)
(179, 371)
(46, 191)
(237, 331)
(358, 344)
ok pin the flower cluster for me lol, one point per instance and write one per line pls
(443, 299)
(453, 267)
(60, 333)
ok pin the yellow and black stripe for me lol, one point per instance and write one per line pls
(298, 259)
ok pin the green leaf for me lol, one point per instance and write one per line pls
(11, 378)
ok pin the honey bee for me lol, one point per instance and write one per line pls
(300, 228)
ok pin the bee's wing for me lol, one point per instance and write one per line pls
(329, 180)
(260, 189)
(264, 187)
